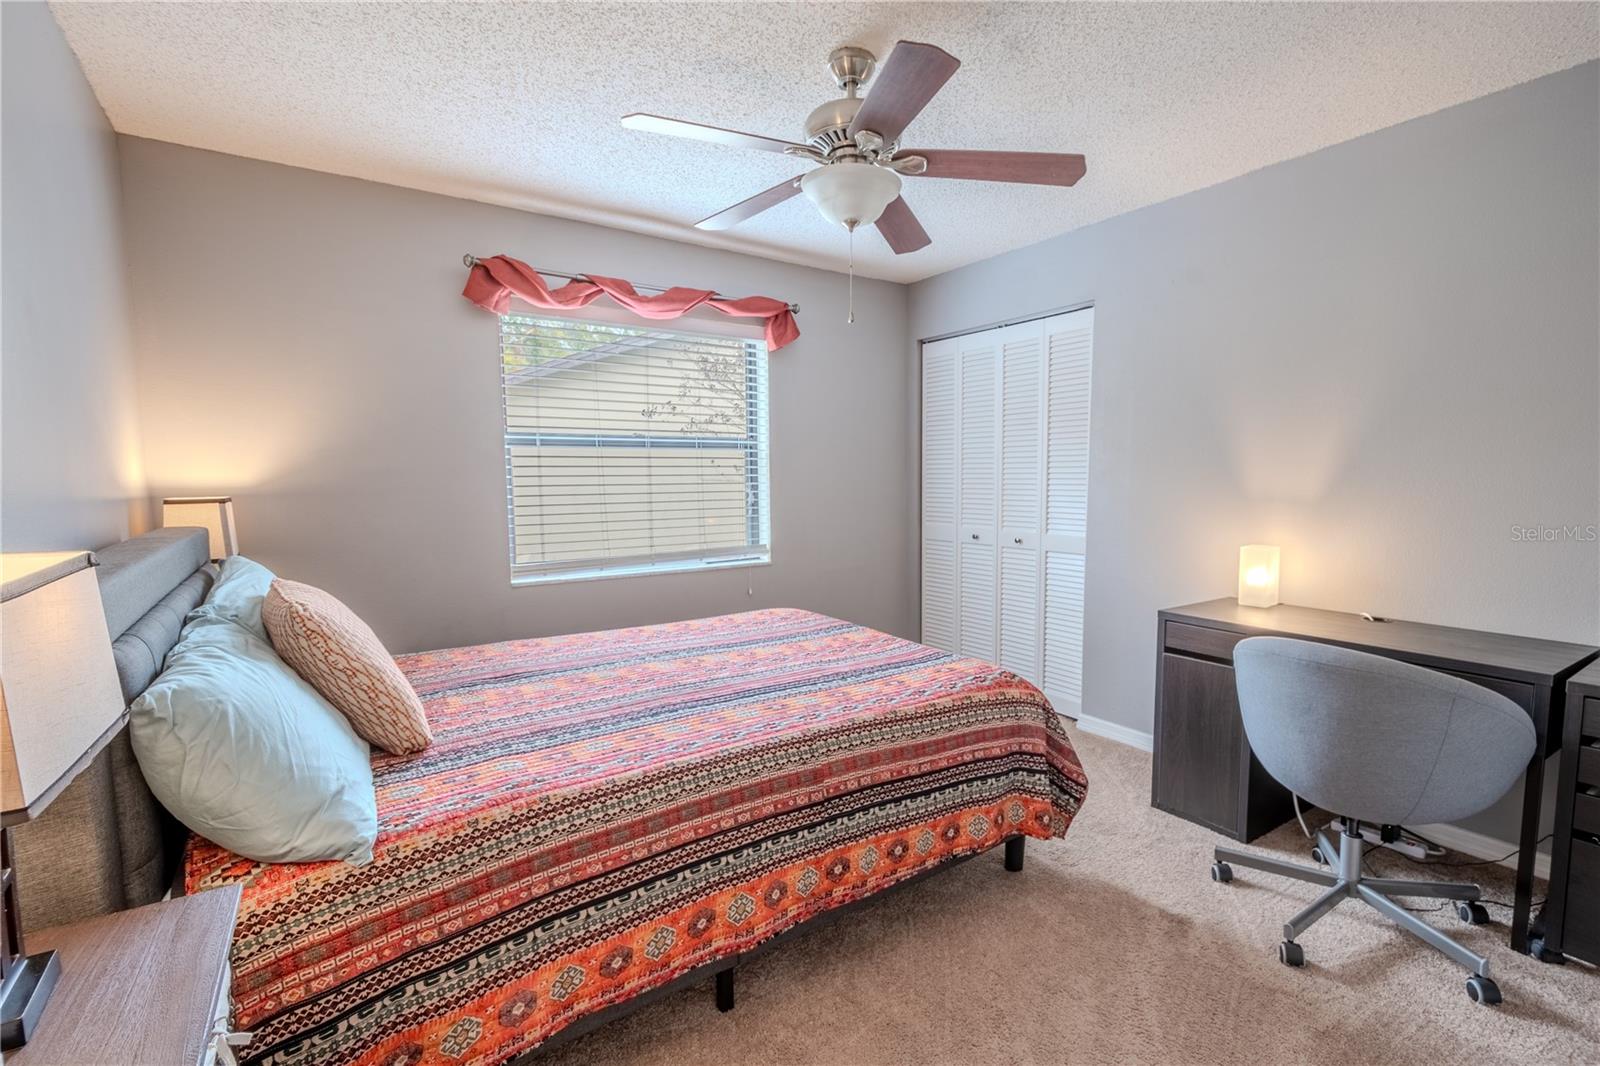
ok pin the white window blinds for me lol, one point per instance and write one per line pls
(632, 450)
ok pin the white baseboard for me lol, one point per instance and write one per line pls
(1119, 733)
(1480, 846)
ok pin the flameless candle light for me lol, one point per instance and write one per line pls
(1258, 575)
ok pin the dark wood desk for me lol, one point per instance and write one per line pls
(1204, 770)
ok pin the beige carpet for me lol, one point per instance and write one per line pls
(1114, 946)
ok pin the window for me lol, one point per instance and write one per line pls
(632, 450)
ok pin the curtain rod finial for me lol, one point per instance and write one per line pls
(469, 260)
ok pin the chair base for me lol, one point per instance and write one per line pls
(1345, 880)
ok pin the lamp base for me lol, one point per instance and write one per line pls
(28, 984)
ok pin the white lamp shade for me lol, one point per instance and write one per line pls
(851, 194)
(1258, 575)
(214, 514)
(60, 700)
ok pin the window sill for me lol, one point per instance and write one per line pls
(564, 576)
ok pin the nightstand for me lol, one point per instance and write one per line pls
(148, 986)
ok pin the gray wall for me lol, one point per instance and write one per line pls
(69, 456)
(1381, 357)
(303, 345)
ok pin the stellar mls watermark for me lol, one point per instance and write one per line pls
(1542, 534)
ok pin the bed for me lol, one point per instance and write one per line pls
(607, 815)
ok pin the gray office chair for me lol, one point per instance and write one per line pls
(1382, 742)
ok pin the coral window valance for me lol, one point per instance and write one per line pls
(493, 281)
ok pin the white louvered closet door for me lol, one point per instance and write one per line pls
(1068, 346)
(940, 592)
(1021, 497)
(978, 461)
(1005, 498)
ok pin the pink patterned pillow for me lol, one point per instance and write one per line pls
(342, 658)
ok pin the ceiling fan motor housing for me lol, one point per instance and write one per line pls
(827, 125)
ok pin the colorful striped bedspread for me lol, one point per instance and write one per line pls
(601, 813)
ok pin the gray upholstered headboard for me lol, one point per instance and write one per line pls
(105, 843)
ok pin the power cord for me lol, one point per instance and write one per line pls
(1299, 817)
(1366, 860)
(1461, 865)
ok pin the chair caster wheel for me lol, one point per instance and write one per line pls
(1482, 990)
(1536, 948)
(1221, 871)
(1473, 913)
(1316, 857)
(1290, 954)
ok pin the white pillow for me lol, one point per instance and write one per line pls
(236, 597)
(245, 753)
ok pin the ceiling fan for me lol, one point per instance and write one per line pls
(857, 143)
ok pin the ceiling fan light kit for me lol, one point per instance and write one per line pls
(851, 195)
(855, 143)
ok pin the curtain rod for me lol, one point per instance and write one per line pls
(469, 261)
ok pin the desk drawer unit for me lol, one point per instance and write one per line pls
(1581, 935)
(1589, 745)
(1572, 914)
(1204, 741)
(1204, 770)
(1586, 812)
(1200, 641)
(1589, 764)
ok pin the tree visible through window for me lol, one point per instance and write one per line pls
(632, 450)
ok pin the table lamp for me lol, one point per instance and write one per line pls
(60, 704)
(214, 514)
(1258, 575)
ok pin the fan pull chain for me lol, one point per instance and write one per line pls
(850, 317)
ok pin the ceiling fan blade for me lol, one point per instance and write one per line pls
(901, 228)
(732, 216)
(1027, 168)
(913, 73)
(677, 127)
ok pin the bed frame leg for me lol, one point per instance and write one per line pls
(1014, 850)
(725, 990)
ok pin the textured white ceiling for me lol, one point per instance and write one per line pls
(518, 104)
